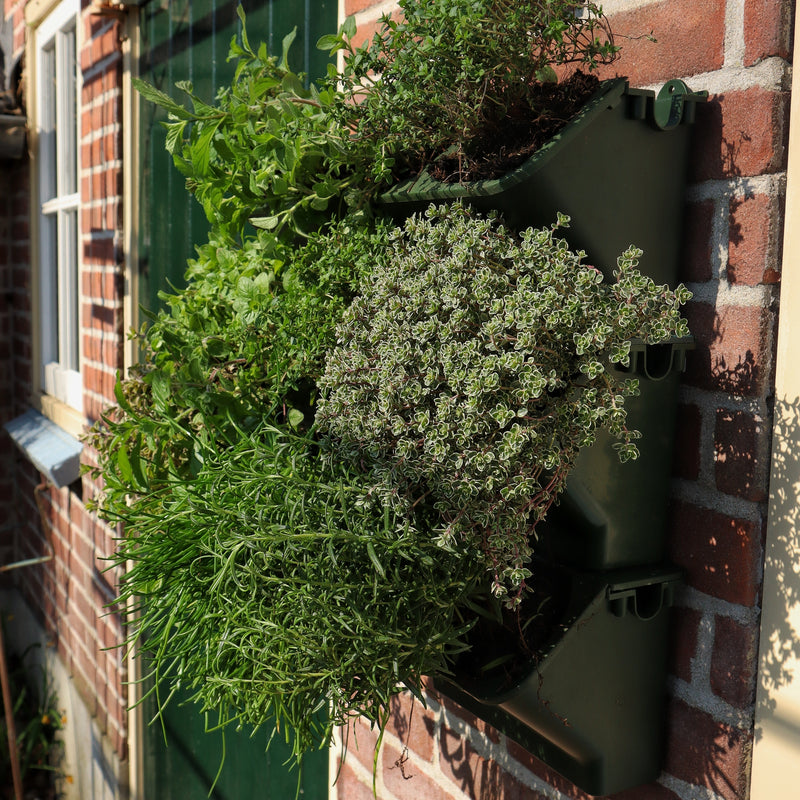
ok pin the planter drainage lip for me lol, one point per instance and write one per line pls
(604, 673)
(642, 592)
(655, 362)
(674, 105)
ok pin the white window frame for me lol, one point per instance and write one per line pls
(57, 208)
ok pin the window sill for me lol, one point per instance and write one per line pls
(52, 450)
(63, 415)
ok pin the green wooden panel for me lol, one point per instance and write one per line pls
(184, 767)
(189, 40)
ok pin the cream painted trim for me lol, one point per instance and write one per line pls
(130, 223)
(37, 10)
(66, 417)
(130, 181)
(776, 750)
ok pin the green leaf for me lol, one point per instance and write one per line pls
(546, 74)
(161, 99)
(265, 223)
(201, 149)
(295, 417)
(174, 136)
(122, 401)
(124, 466)
(373, 557)
(285, 45)
(245, 42)
(330, 42)
(160, 387)
(349, 27)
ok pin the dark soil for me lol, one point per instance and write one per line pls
(519, 134)
(502, 653)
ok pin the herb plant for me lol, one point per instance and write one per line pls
(449, 77)
(267, 152)
(275, 585)
(471, 370)
(340, 431)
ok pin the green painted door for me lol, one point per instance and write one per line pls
(189, 40)
(181, 761)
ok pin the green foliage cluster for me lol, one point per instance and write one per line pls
(473, 368)
(267, 152)
(244, 341)
(447, 76)
(274, 586)
(284, 560)
(37, 719)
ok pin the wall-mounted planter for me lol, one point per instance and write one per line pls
(612, 514)
(589, 701)
(619, 170)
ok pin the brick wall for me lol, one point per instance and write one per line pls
(68, 594)
(738, 50)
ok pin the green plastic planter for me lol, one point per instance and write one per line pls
(590, 702)
(618, 169)
(613, 515)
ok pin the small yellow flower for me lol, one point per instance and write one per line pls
(46, 719)
(63, 719)
(70, 779)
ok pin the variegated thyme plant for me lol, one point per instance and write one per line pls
(472, 369)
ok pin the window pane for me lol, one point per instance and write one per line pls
(68, 303)
(47, 130)
(49, 288)
(67, 122)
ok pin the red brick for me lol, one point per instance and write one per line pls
(652, 791)
(697, 256)
(733, 662)
(404, 782)
(733, 353)
(707, 753)
(690, 38)
(741, 445)
(767, 30)
(355, 6)
(349, 787)
(474, 775)
(741, 132)
(752, 257)
(361, 741)
(684, 624)
(721, 555)
(686, 459)
(413, 724)
(105, 350)
(541, 770)
(468, 717)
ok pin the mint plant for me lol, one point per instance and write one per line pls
(267, 151)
